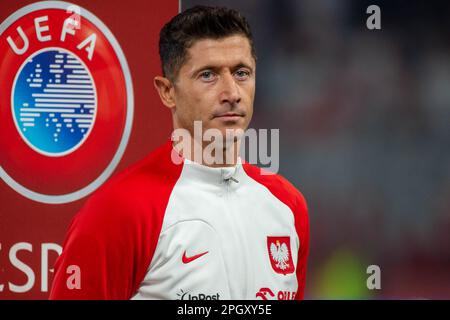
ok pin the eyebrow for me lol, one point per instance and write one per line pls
(216, 68)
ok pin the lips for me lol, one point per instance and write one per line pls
(229, 116)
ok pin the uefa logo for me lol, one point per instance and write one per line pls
(54, 101)
(66, 102)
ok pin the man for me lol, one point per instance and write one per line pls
(176, 226)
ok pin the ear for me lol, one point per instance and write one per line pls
(165, 91)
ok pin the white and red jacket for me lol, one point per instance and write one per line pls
(161, 230)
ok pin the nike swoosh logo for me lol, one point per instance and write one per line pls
(186, 259)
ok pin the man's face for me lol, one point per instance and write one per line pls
(216, 85)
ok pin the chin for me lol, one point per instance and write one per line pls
(235, 131)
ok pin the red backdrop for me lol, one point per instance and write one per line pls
(29, 229)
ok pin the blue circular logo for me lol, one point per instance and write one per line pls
(54, 101)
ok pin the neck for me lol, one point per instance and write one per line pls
(211, 154)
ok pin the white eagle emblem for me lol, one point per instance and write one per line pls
(280, 254)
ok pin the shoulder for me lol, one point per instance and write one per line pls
(282, 189)
(279, 186)
(134, 194)
(154, 172)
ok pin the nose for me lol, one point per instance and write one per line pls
(230, 90)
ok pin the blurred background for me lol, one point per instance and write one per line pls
(364, 135)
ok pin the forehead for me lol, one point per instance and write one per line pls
(228, 51)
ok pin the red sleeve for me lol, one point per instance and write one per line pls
(302, 227)
(110, 242)
(113, 238)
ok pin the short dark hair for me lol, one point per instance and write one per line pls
(197, 23)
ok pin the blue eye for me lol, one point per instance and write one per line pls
(207, 75)
(242, 74)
